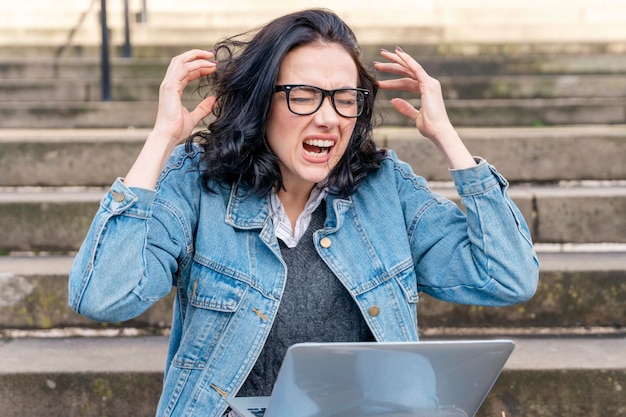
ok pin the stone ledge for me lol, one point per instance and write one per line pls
(94, 377)
(119, 354)
(502, 87)
(572, 393)
(77, 157)
(578, 292)
(58, 220)
(458, 59)
(463, 113)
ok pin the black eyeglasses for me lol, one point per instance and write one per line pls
(307, 99)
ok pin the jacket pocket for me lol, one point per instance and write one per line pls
(214, 295)
(389, 304)
(408, 283)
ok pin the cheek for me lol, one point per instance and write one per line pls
(275, 130)
(346, 135)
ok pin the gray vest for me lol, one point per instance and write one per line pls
(315, 307)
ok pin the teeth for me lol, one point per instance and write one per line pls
(323, 152)
(320, 143)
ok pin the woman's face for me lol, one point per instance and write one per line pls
(308, 147)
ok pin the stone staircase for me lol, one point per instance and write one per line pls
(551, 117)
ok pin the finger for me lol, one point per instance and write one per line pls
(397, 65)
(194, 54)
(192, 59)
(412, 64)
(179, 75)
(405, 84)
(406, 61)
(393, 68)
(391, 56)
(197, 69)
(405, 108)
(203, 109)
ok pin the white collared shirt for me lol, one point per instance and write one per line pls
(282, 224)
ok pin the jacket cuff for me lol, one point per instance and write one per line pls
(121, 199)
(478, 179)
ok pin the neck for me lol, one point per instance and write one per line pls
(293, 200)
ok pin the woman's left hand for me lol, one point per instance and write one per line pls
(432, 118)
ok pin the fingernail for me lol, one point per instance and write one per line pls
(383, 50)
(399, 49)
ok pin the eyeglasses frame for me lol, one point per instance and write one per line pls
(287, 88)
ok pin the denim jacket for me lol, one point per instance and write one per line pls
(386, 242)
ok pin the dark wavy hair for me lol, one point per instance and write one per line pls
(235, 147)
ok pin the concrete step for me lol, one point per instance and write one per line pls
(34, 297)
(578, 292)
(487, 57)
(544, 377)
(547, 154)
(462, 113)
(484, 61)
(57, 219)
(82, 68)
(35, 219)
(454, 87)
(523, 112)
(77, 90)
(537, 155)
(371, 24)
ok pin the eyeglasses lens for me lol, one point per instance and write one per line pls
(306, 100)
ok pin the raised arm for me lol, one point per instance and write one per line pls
(136, 239)
(174, 122)
(431, 119)
(488, 251)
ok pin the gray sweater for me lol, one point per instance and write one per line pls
(315, 308)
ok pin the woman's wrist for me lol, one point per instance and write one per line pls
(151, 160)
(454, 150)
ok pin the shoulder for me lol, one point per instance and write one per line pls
(397, 185)
(182, 159)
(181, 178)
(396, 171)
(183, 165)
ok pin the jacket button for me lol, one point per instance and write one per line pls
(326, 242)
(374, 311)
(118, 197)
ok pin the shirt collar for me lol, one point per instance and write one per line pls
(282, 225)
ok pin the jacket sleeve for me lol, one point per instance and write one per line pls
(484, 256)
(135, 245)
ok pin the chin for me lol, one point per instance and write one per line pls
(315, 179)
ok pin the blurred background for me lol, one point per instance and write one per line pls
(538, 88)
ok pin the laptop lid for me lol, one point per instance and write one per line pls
(433, 378)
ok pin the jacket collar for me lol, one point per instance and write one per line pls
(246, 210)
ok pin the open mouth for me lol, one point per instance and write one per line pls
(317, 147)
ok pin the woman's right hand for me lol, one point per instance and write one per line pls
(174, 122)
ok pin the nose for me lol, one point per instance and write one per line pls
(326, 114)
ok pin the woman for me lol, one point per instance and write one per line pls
(283, 222)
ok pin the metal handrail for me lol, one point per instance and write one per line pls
(73, 31)
(104, 53)
(126, 50)
(104, 44)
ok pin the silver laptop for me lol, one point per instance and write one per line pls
(403, 379)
